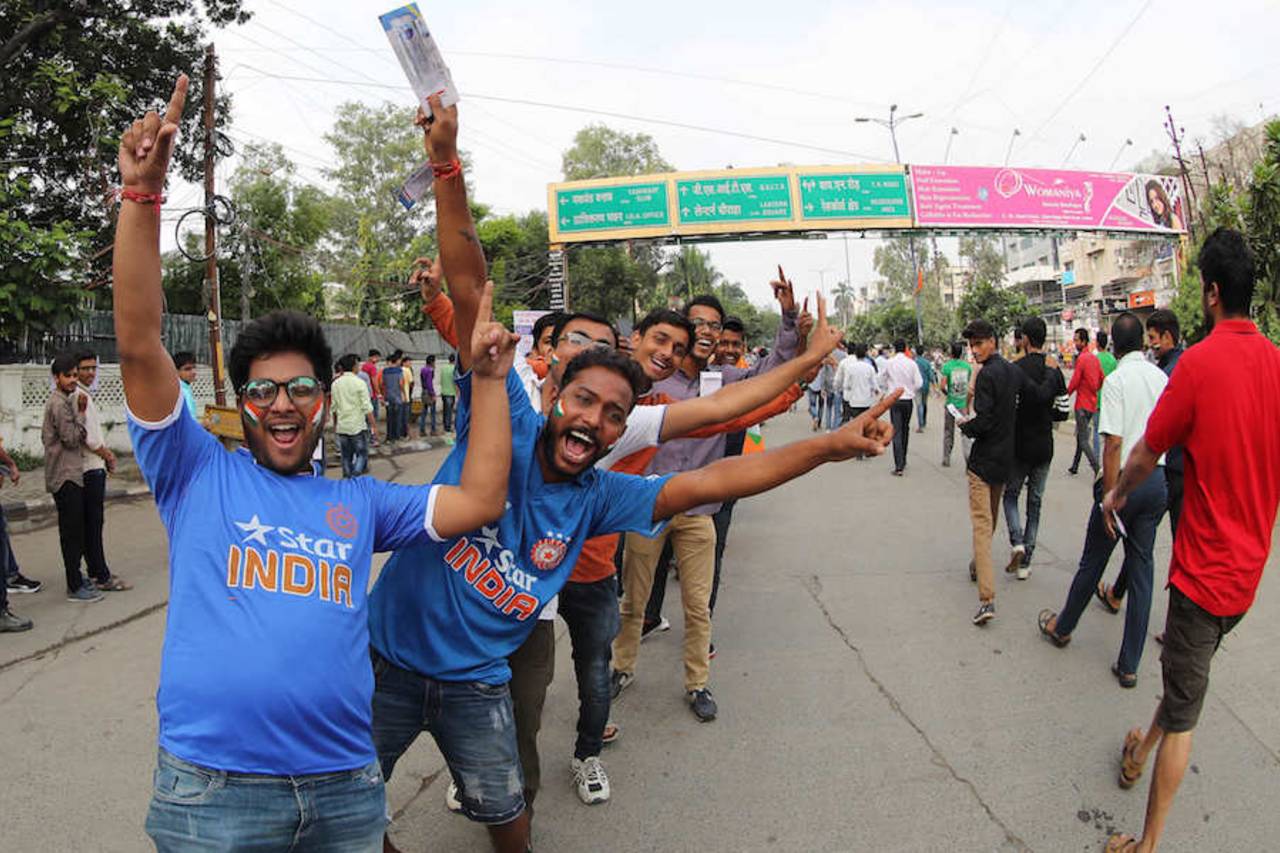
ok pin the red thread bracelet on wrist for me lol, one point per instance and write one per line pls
(142, 198)
(444, 171)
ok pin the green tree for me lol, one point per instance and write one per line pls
(516, 248)
(1262, 218)
(843, 302)
(1000, 307)
(986, 260)
(374, 239)
(599, 151)
(892, 262)
(75, 74)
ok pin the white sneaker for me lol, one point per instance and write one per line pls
(1017, 557)
(1024, 570)
(591, 780)
(451, 801)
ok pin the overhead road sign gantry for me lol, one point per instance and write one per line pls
(728, 202)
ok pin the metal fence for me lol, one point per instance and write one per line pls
(95, 332)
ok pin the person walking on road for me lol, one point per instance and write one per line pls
(991, 426)
(856, 379)
(956, 376)
(1128, 398)
(1162, 339)
(63, 435)
(448, 391)
(902, 372)
(1032, 448)
(1086, 382)
(926, 385)
(352, 417)
(1223, 388)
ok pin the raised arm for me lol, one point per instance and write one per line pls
(150, 379)
(461, 255)
(785, 344)
(429, 277)
(739, 398)
(481, 494)
(741, 476)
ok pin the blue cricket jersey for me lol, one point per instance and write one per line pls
(265, 667)
(455, 609)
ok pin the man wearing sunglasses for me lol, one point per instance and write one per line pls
(265, 685)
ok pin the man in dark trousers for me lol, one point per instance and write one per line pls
(995, 402)
(1032, 448)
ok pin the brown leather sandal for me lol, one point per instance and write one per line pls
(1130, 767)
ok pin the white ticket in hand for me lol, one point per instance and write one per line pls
(419, 55)
(960, 416)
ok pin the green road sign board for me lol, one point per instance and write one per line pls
(853, 195)
(607, 208)
(729, 199)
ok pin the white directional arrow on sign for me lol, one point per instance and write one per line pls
(684, 190)
(684, 211)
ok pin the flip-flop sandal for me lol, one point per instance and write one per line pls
(1121, 843)
(1130, 769)
(1052, 636)
(1126, 679)
(1100, 592)
(612, 732)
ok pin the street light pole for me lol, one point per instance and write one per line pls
(946, 158)
(1009, 152)
(1116, 158)
(892, 123)
(1075, 144)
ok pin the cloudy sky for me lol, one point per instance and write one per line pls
(796, 72)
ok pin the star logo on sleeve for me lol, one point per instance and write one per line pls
(255, 530)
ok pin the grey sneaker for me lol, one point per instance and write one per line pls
(704, 707)
(86, 593)
(620, 681)
(11, 622)
(985, 613)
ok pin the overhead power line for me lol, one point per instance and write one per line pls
(588, 111)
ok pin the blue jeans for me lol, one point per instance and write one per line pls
(405, 414)
(447, 402)
(473, 725)
(428, 405)
(815, 404)
(195, 808)
(1035, 477)
(922, 408)
(354, 450)
(833, 406)
(1141, 516)
(591, 612)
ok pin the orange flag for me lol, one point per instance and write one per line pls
(919, 280)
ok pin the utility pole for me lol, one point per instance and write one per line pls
(1190, 192)
(211, 232)
(892, 123)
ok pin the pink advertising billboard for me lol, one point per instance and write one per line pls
(988, 197)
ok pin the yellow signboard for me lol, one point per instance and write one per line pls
(729, 201)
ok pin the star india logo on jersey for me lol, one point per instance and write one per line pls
(280, 560)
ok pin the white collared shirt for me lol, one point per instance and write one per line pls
(901, 372)
(856, 380)
(1129, 395)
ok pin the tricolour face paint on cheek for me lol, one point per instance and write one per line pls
(317, 414)
(557, 411)
(252, 414)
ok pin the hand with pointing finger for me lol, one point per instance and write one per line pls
(493, 348)
(825, 337)
(865, 435)
(147, 145)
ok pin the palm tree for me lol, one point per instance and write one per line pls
(844, 301)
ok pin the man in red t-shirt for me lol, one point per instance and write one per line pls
(1223, 389)
(374, 376)
(1086, 382)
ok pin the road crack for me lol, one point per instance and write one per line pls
(813, 585)
(427, 782)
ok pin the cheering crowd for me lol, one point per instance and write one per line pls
(289, 689)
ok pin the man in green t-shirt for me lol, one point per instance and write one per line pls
(448, 391)
(956, 376)
(1108, 362)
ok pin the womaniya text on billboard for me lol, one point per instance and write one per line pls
(989, 197)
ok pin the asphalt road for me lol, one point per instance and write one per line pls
(859, 708)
